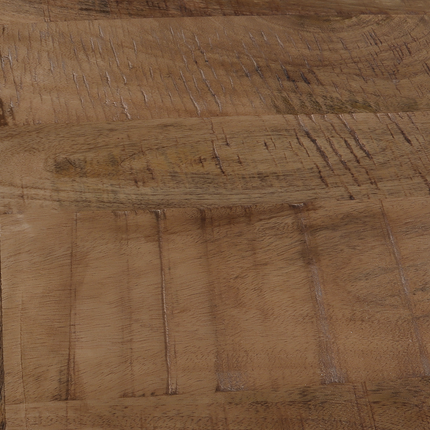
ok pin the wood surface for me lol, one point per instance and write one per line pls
(214, 214)
(61, 10)
(215, 162)
(206, 302)
(368, 406)
(122, 70)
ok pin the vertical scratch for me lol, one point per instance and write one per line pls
(2, 388)
(220, 362)
(358, 407)
(129, 311)
(22, 361)
(160, 214)
(366, 395)
(407, 294)
(72, 314)
(329, 370)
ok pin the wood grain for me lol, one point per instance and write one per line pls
(70, 283)
(214, 214)
(243, 307)
(381, 406)
(187, 300)
(61, 10)
(120, 70)
(221, 161)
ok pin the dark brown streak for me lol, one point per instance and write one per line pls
(351, 151)
(321, 151)
(287, 75)
(3, 119)
(322, 179)
(366, 395)
(371, 180)
(421, 175)
(344, 163)
(356, 139)
(217, 158)
(358, 408)
(401, 130)
(305, 79)
(301, 143)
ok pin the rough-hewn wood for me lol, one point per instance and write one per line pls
(69, 285)
(219, 161)
(175, 303)
(98, 71)
(63, 10)
(183, 304)
(2, 388)
(395, 405)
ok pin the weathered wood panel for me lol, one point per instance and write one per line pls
(36, 311)
(62, 10)
(102, 71)
(230, 299)
(84, 313)
(240, 316)
(368, 320)
(407, 224)
(382, 406)
(222, 161)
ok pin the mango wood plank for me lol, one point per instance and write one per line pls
(363, 294)
(89, 310)
(191, 343)
(61, 10)
(383, 406)
(103, 306)
(216, 162)
(407, 226)
(38, 311)
(121, 70)
(228, 257)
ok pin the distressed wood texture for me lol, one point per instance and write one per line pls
(120, 70)
(214, 162)
(215, 214)
(384, 406)
(62, 10)
(119, 317)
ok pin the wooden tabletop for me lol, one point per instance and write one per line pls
(215, 214)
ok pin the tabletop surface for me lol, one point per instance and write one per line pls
(214, 214)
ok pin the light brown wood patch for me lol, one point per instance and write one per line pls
(215, 162)
(61, 10)
(181, 302)
(121, 70)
